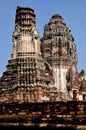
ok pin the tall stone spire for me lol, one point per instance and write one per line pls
(59, 50)
(25, 79)
(40, 69)
(25, 36)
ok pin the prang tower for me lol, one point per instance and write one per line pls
(25, 79)
(42, 69)
(59, 50)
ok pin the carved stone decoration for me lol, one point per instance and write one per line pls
(42, 69)
(25, 79)
(63, 52)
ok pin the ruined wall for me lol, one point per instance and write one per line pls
(51, 115)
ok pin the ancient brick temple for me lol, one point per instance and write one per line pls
(42, 69)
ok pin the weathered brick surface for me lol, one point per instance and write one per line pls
(44, 115)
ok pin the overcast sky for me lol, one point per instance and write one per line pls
(73, 12)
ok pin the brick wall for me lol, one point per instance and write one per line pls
(44, 115)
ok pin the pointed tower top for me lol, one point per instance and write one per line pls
(25, 17)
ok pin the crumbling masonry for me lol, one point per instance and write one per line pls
(42, 69)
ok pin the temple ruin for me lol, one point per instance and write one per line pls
(42, 69)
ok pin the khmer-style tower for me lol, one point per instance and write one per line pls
(59, 50)
(25, 79)
(41, 69)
